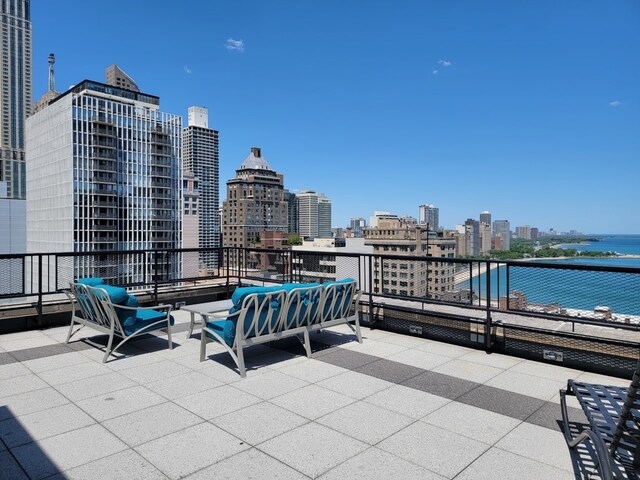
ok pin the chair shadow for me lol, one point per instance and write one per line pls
(22, 457)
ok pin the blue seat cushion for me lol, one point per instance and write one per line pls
(128, 317)
(91, 281)
(143, 321)
(225, 328)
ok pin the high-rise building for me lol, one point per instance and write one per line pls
(324, 217)
(485, 237)
(307, 202)
(524, 232)
(255, 203)
(314, 214)
(472, 237)
(429, 215)
(292, 202)
(191, 224)
(116, 77)
(485, 217)
(412, 278)
(357, 224)
(13, 229)
(200, 156)
(15, 83)
(104, 174)
(502, 229)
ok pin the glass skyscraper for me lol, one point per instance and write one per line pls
(104, 174)
(15, 85)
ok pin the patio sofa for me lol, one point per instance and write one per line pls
(263, 314)
(114, 312)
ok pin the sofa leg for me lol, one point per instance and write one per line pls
(241, 368)
(307, 343)
(203, 345)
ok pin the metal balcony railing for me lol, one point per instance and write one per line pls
(586, 316)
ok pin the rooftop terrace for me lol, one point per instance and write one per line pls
(395, 406)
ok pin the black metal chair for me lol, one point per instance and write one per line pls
(614, 419)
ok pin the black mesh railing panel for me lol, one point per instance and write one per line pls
(589, 294)
(12, 274)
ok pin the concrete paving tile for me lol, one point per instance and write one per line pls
(126, 362)
(68, 359)
(12, 337)
(474, 372)
(408, 341)
(551, 448)
(41, 351)
(312, 371)
(248, 465)
(11, 370)
(501, 401)
(26, 343)
(312, 401)
(217, 401)
(355, 385)
(123, 465)
(94, 386)
(21, 384)
(187, 451)
(497, 463)
(491, 359)
(390, 371)
(259, 422)
(597, 378)
(71, 373)
(366, 422)
(324, 448)
(150, 423)
(419, 358)
(445, 349)
(407, 401)
(375, 348)
(526, 384)
(11, 470)
(113, 404)
(30, 402)
(549, 416)
(376, 464)
(344, 358)
(66, 451)
(43, 424)
(6, 358)
(545, 370)
(155, 371)
(183, 385)
(442, 385)
(438, 450)
(271, 384)
(472, 422)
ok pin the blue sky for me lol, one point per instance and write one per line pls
(528, 109)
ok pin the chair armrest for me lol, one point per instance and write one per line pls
(220, 315)
(166, 307)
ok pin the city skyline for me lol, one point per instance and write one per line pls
(530, 111)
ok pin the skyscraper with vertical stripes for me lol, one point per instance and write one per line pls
(201, 158)
(15, 87)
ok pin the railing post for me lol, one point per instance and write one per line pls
(39, 305)
(371, 320)
(487, 338)
(227, 264)
(238, 266)
(155, 275)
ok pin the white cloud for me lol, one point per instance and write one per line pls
(435, 72)
(235, 45)
(187, 70)
(444, 63)
(615, 103)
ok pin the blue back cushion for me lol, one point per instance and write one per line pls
(91, 281)
(120, 296)
(310, 300)
(227, 329)
(339, 293)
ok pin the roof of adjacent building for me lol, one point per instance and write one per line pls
(255, 161)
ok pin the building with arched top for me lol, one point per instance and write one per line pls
(255, 203)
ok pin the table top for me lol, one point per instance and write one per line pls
(209, 307)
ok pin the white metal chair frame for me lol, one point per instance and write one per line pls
(99, 312)
(305, 318)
